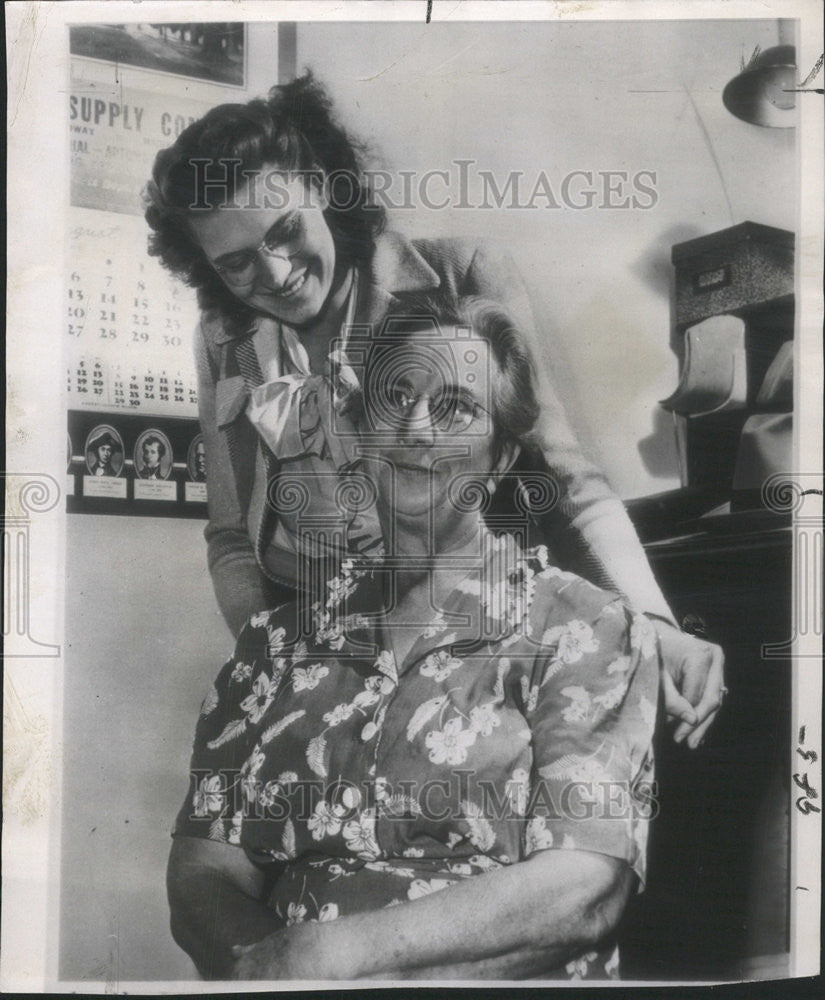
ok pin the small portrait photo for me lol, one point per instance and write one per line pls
(196, 459)
(153, 455)
(104, 451)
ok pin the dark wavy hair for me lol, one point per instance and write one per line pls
(294, 128)
(153, 439)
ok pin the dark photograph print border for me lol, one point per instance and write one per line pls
(210, 50)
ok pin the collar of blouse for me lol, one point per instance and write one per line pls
(488, 605)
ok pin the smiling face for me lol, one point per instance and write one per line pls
(431, 414)
(273, 248)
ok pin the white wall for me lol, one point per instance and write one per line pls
(562, 97)
(144, 639)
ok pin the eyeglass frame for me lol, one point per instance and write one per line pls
(262, 249)
(477, 409)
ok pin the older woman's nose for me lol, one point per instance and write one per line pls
(418, 428)
(276, 269)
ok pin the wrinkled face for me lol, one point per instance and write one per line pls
(151, 453)
(430, 410)
(104, 454)
(273, 248)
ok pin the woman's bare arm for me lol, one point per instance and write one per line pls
(517, 922)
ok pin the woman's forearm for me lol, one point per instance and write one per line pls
(531, 916)
(608, 533)
(238, 583)
(520, 963)
(521, 920)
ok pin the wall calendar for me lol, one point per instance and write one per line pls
(134, 445)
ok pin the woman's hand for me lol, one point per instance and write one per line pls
(291, 953)
(216, 900)
(268, 959)
(693, 678)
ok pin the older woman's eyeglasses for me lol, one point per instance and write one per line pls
(449, 411)
(239, 268)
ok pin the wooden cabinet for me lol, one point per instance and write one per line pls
(718, 859)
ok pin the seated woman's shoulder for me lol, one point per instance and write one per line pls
(558, 593)
(278, 629)
(570, 614)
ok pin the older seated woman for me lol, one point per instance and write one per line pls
(440, 769)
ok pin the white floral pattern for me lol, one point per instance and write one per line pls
(339, 714)
(234, 835)
(421, 887)
(440, 665)
(450, 745)
(572, 640)
(209, 796)
(537, 837)
(241, 672)
(359, 835)
(308, 678)
(518, 790)
(329, 911)
(275, 639)
(580, 703)
(483, 719)
(643, 637)
(332, 707)
(325, 820)
(296, 914)
(211, 701)
(436, 626)
(256, 704)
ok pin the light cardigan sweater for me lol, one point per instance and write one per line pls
(588, 519)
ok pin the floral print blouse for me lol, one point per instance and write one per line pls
(521, 720)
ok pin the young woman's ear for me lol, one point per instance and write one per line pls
(318, 189)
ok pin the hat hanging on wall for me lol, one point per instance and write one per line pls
(764, 92)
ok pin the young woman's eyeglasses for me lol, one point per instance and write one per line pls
(240, 268)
